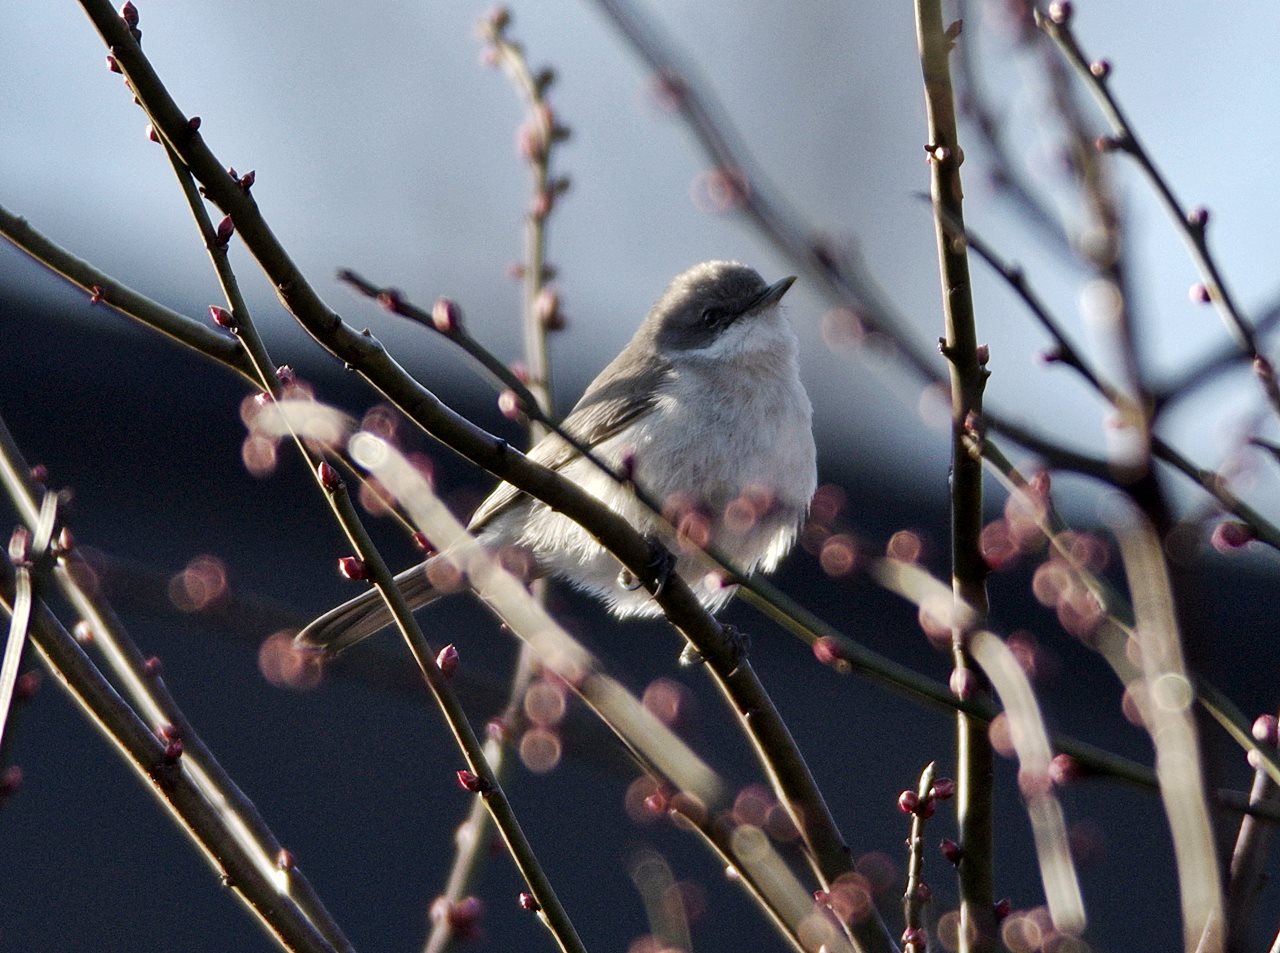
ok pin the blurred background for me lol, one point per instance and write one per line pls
(382, 143)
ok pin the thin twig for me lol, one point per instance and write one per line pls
(1192, 224)
(969, 570)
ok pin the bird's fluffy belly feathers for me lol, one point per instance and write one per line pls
(700, 419)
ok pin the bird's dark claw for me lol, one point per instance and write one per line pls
(736, 642)
(660, 568)
(662, 564)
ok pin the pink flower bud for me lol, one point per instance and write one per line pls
(10, 780)
(113, 65)
(1060, 12)
(943, 789)
(129, 14)
(963, 683)
(509, 405)
(908, 802)
(285, 859)
(446, 315)
(247, 180)
(1064, 769)
(447, 660)
(20, 546)
(1230, 535)
(1101, 69)
(547, 309)
(152, 134)
(286, 376)
(1265, 731)
(827, 651)
(916, 938)
(389, 299)
(226, 228)
(1198, 217)
(529, 902)
(353, 568)
(193, 124)
(1199, 294)
(152, 667)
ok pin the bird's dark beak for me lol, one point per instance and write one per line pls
(773, 294)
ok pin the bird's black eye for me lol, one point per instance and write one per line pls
(712, 317)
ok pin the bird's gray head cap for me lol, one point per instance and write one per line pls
(705, 301)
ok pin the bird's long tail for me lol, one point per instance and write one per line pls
(356, 620)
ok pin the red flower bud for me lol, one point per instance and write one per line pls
(172, 751)
(152, 667)
(223, 318)
(129, 14)
(1003, 908)
(113, 65)
(285, 859)
(193, 124)
(908, 802)
(330, 478)
(353, 568)
(943, 789)
(27, 685)
(952, 851)
(529, 902)
(472, 782)
(226, 228)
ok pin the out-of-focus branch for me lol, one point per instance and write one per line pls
(1007, 175)
(151, 703)
(1192, 224)
(160, 765)
(739, 176)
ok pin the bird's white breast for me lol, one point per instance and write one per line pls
(729, 441)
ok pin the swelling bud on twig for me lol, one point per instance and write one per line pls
(226, 228)
(469, 781)
(446, 315)
(952, 851)
(353, 568)
(330, 478)
(1230, 535)
(1266, 732)
(447, 660)
(223, 318)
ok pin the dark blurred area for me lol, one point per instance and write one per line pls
(356, 776)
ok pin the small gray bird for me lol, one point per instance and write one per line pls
(704, 407)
